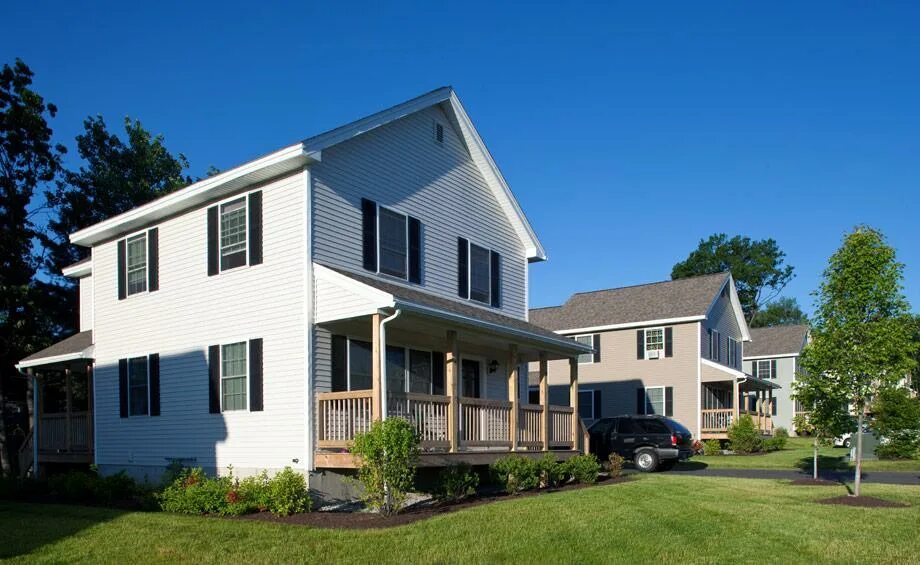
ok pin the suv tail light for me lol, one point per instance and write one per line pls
(674, 440)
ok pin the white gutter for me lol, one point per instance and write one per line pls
(625, 325)
(383, 362)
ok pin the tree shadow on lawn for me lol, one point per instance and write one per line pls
(688, 466)
(825, 463)
(26, 527)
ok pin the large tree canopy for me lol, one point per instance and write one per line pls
(862, 338)
(757, 267)
(780, 312)
(115, 177)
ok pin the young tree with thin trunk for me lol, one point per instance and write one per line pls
(827, 416)
(862, 332)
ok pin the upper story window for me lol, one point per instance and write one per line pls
(588, 340)
(715, 345)
(655, 343)
(137, 264)
(733, 352)
(478, 273)
(138, 387)
(654, 340)
(764, 368)
(233, 234)
(233, 374)
(588, 399)
(392, 242)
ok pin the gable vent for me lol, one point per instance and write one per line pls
(439, 133)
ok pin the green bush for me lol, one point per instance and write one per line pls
(712, 447)
(457, 482)
(778, 441)
(903, 444)
(583, 468)
(551, 472)
(802, 426)
(516, 473)
(388, 455)
(744, 437)
(287, 493)
(615, 463)
(193, 492)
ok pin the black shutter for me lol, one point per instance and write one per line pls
(597, 404)
(669, 342)
(719, 346)
(369, 238)
(437, 372)
(122, 271)
(255, 375)
(640, 401)
(153, 259)
(668, 401)
(754, 368)
(773, 369)
(709, 334)
(640, 344)
(339, 363)
(213, 237)
(255, 228)
(153, 366)
(415, 251)
(496, 282)
(463, 267)
(597, 348)
(123, 387)
(214, 379)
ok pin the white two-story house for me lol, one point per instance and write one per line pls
(262, 317)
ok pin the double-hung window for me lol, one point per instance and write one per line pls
(480, 274)
(408, 370)
(764, 369)
(233, 234)
(138, 387)
(233, 376)
(655, 400)
(586, 404)
(587, 340)
(136, 267)
(715, 349)
(394, 243)
(654, 342)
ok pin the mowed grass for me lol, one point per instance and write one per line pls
(655, 518)
(798, 455)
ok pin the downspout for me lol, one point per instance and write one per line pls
(383, 362)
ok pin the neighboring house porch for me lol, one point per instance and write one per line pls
(60, 406)
(453, 370)
(725, 397)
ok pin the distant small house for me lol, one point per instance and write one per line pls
(672, 348)
(773, 355)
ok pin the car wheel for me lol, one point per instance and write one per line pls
(667, 465)
(646, 460)
(846, 443)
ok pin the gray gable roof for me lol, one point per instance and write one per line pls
(73, 344)
(778, 340)
(633, 304)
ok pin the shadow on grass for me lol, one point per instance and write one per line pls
(27, 527)
(825, 463)
(689, 466)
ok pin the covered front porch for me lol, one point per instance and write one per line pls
(457, 372)
(725, 400)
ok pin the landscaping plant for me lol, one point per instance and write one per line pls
(897, 420)
(516, 473)
(551, 472)
(287, 493)
(583, 468)
(388, 456)
(457, 482)
(744, 437)
(615, 463)
(712, 447)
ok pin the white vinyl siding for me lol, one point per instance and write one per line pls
(397, 164)
(721, 324)
(136, 264)
(86, 303)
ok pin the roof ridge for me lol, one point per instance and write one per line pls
(723, 273)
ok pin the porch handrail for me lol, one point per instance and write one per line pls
(530, 431)
(342, 415)
(26, 454)
(560, 426)
(54, 434)
(485, 422)
(427, 412)
(717, 419)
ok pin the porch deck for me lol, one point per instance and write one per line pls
(717, 421)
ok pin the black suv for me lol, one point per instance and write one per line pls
(651, 442)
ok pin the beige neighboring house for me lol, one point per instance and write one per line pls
(672, 348)
(773, 355)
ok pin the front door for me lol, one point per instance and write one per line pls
(470, 376)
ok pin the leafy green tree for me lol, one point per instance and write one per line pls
(780, 312)
(896, 416)
(862, 332)
(28, 159)
(827, 415)
(757, 267)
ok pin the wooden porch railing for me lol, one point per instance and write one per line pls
(427, 412)
(59, 434)
(560, 426)
(717, 420)
(530, 433)
(342, 415)
(485, 423)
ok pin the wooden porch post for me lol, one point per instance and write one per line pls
(452, 358)
(573, 400)
(544, 401)
(513, 395)
(68, 423)
(376, 369)
(736, 392)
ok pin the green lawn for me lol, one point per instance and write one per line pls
(661, 518)
(798, 452)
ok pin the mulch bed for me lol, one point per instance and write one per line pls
(370, 520)
(814, 483)
(863, 502)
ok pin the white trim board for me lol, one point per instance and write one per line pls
(85, 354)
(642, 324)
(776, 356)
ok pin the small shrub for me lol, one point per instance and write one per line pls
(287, 493)
(388, 456)
(802, 426)
(516, 473)
(550, 471)
(193, 492)
(457, 482)
(255, 491)
(615, 463)
(712, 447)
(744, 437)
(583, 468)
(903, 444)
(778, 441)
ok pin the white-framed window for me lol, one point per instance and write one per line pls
(655, 400)
(138, 387)
(136, 264)
(234, 376)
(714, 345)
(408, 369)
(732, 346)
(586, 404)
(764, 369)
(393, 243)
(233, 229)
(585, 358)
(654, 343)
(480, 274)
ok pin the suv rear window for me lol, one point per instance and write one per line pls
(679, 428)
(650, 426)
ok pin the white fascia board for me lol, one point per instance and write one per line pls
(279, 162)
(753, 379)
(775, 356)
(79, 270)
(85, 354)
(627, 325)
(724, 369)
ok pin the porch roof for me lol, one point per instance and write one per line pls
(370, 294)
(77, 346)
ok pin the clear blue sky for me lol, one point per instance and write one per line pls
(627, 133)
